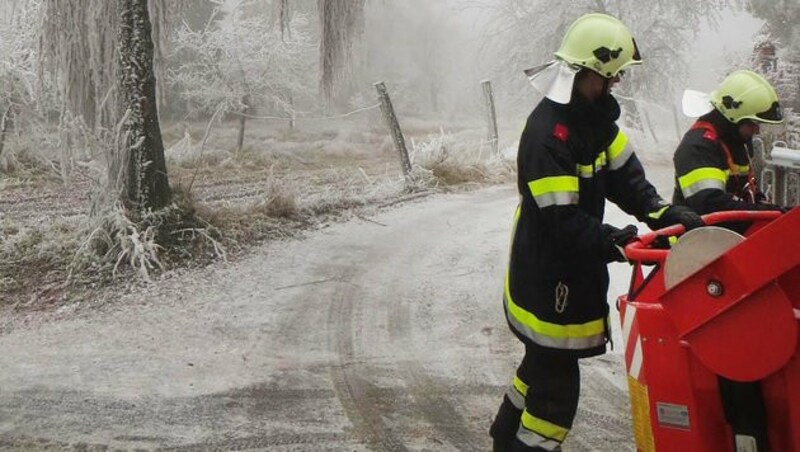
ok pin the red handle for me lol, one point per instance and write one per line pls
(639, 250)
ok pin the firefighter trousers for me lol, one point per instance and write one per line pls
(539, 406)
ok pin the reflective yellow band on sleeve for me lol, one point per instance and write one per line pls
(702, 179)
(618, 151)
(587, 171)
(554, 190)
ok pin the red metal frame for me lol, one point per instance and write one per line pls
(678, 341)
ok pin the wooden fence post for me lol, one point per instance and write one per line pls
(488, 96)
(394, 129)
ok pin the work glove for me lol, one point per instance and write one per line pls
(677, 215)
(663, 242)
(614, 241)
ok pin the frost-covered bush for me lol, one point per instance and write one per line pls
(241, 62)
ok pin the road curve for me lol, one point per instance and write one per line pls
(381, 333)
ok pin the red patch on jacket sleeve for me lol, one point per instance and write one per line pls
(710, 135)
(561, 132)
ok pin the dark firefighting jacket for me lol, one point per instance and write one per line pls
(713, 169)
(571, 159)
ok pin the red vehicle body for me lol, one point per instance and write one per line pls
(736, 317)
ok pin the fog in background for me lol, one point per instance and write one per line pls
(435, 54)
(716, 50)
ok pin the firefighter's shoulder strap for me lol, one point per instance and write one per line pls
(711, 134)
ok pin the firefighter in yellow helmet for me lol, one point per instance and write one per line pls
(713, 172)
(572, 157)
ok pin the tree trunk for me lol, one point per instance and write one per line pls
(65, 47)
(286, 31)
(147, 184)
(341, 24)
(242, 123)
(158, 11)
(7, 123)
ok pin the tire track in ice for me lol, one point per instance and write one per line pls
(354, 392)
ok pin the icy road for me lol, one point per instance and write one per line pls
(384, 333)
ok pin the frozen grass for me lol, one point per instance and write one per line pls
(117, 239)
(42, 251)
(22, 164)
(443, 160)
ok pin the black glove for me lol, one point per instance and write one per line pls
(615, 239)
(678, 215)
(662, 242)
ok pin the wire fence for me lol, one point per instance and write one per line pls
(310, 118)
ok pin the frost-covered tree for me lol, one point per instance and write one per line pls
(283, 18)
(165, 15)
(341, 29)
(242, 62)
(147, 186)
(777, 49)
(78, 40)
(524, 33)
(781, 18)
(779, 67)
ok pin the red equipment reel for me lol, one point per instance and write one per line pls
(724, 302)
